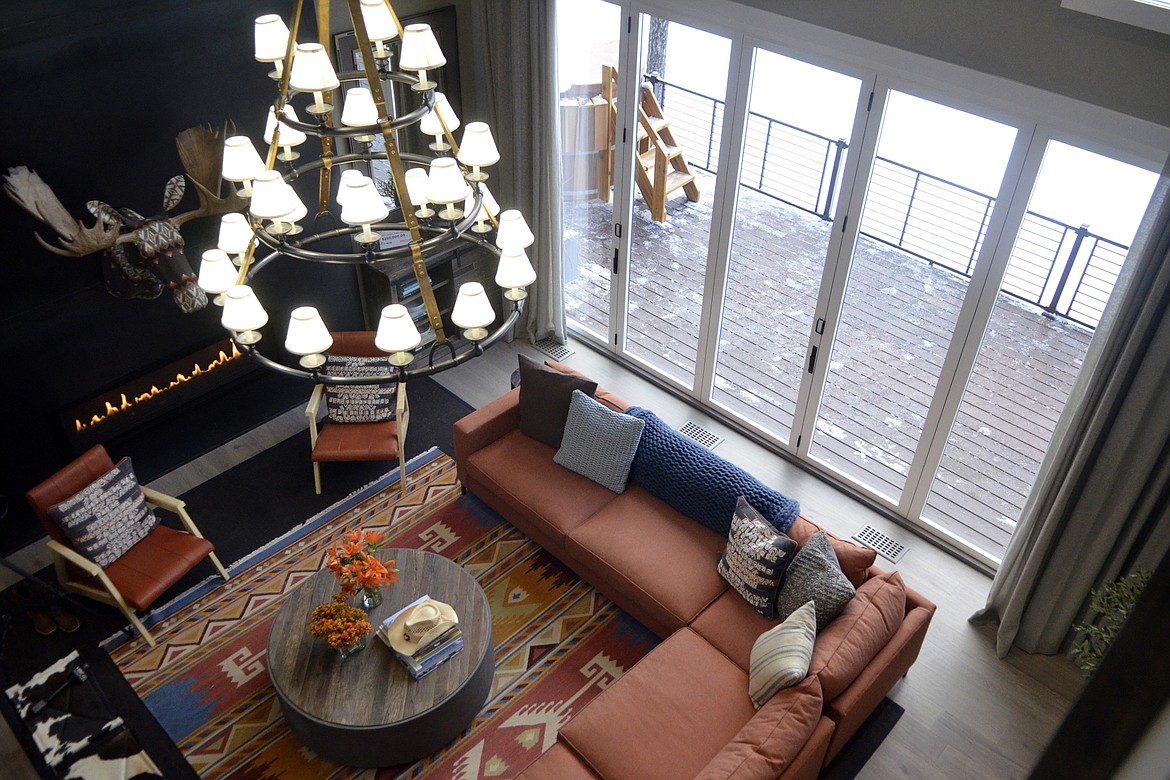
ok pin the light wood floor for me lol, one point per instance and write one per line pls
(968, 714)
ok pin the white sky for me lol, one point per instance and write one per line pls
(1075, 186)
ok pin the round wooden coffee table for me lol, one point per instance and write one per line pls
(366, 710)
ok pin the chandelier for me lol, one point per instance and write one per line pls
(451, 180)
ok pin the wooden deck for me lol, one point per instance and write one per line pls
(895, 329)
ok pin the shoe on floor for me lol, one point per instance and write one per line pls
(42, 622)
(66, 621)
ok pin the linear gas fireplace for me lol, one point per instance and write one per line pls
(121, 409)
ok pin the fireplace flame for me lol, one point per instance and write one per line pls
(124, 402)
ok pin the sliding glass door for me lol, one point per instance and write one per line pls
(797, 137)
(934, 181)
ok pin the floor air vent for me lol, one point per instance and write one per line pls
(700, 434)
(553, 349)
(886, 547)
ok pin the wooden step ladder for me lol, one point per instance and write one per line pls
(661, 168)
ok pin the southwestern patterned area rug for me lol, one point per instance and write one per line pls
(559, 642)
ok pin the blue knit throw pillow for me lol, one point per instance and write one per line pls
(699, 483)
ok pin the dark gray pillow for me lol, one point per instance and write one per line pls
(359, 403)
(599, 443)
(756, 558)
(545, 394)
(108, 517)
(815, 575)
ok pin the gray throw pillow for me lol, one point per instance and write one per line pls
(781, 655)
(599, 443)
(815, 575)
(755, 558)
(359, 403)
(108, 517)
(545, 394)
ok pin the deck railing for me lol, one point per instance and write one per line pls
(1064, 270)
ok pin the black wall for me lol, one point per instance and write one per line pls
(95, 94)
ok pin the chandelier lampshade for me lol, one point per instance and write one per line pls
(447, 185)
(490, 210)
(217, 273)
(514, 232)
(380, 25)
(289, 136)
(431, 208)
(243, 314)
(418, 182)
(241, 162)
(420, 52)
(271, 35)
(274, 199)
(432, 123)
(473, 311)
(359, 111)
(235, 235)
(313, 72)
(514, 273)
(363, 206)
(477, 149)
(397, 334)
(307, 336)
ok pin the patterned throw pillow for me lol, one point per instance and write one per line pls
(545, 394)
(699, 483)
(108, 517)
(781, 655)
(814, 575)
(599, 443)
(358, 403)
(755, 558)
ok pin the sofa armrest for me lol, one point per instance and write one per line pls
(484, 426)
(850, 709)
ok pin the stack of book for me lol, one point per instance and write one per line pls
(427, 657)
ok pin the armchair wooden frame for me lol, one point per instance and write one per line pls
(361, 344)
(109, 593)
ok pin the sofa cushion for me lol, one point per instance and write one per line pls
(768, 743)
(731, 625)
(863, 628)
(655, 563)
(699, 483)
(601, 394)
(755, 558)
(814, 574)
(521, 471)
(359, 403)
(108, 516)
(544, 400)
(780, 655)
(667, 717)
(599, 443)
(854, 559)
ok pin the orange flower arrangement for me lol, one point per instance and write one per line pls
(356, 565)
(339, 623)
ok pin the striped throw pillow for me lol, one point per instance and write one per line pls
(781, 655)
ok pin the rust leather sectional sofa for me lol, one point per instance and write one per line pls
(683, 711)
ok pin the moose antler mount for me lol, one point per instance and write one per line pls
(141, 256)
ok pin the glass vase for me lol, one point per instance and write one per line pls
(357, 647)
(370, 598)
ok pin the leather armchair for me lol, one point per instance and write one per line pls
(357, 441)
(140, 575)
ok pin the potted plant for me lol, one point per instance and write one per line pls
(358, 568)
(1112, 605)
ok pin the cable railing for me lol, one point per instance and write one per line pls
(1065, 270)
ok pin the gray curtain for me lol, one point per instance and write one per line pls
(515, 50)
(1101, 503)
